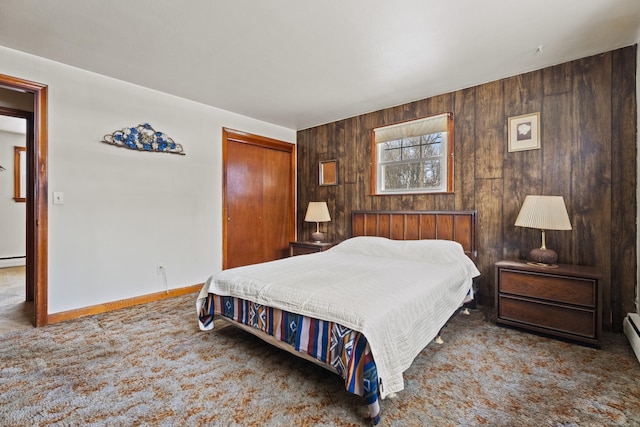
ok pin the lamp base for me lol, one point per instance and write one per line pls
(317, 236)
(543, 256)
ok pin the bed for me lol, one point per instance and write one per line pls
(363, 309)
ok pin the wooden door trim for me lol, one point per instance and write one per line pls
(37, 187)
(230, 135)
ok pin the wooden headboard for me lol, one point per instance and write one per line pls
(459, 226)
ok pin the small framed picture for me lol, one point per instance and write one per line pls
(524, 132)
(329, 172)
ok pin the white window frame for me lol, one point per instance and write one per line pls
(441, 123)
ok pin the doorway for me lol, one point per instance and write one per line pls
(36, 195)
(15, 311)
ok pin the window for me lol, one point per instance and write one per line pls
(20, 174)
(413, 157)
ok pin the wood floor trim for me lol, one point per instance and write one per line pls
(117, 305)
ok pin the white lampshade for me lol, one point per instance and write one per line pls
(544, 213)
(317, 212)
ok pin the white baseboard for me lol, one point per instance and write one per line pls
(13, 262)
(631, 326)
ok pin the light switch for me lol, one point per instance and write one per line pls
(58, 198)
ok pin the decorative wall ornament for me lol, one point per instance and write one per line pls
(143, 138)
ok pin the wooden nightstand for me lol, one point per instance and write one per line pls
(302, 248)
(565, 301)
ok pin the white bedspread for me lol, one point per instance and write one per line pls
(399, 294)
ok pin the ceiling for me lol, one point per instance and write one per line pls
(300, 63)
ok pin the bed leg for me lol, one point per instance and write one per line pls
(374, 408)
(375, 420)
(439, 340)
(466, 311)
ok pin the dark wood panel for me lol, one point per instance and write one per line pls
(623, 182)
(588, 127)
(490, 225)
(523, 94)
(464, 173)
(522, 170)
(558, 168)
(591, 178)
(558, 79)
(489, 131)
(349, 173)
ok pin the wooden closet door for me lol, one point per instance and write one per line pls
(278, 205)
(258, 199)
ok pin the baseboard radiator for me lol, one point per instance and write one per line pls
(631, 326)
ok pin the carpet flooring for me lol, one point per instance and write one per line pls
(15, 312)
(150, 365)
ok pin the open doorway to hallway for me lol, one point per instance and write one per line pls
(15, 311)
(36, 186)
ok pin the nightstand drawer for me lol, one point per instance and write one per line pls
(556, 318)
(304, 248)
(570, 290)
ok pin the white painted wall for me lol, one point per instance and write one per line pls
(126, 212)
(12, 213)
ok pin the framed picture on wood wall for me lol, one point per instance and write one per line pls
(524, 132)
(329, 172)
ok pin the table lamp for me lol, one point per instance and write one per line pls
(317, 212)
(544, 213)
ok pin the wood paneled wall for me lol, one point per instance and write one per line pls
(588, 155)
